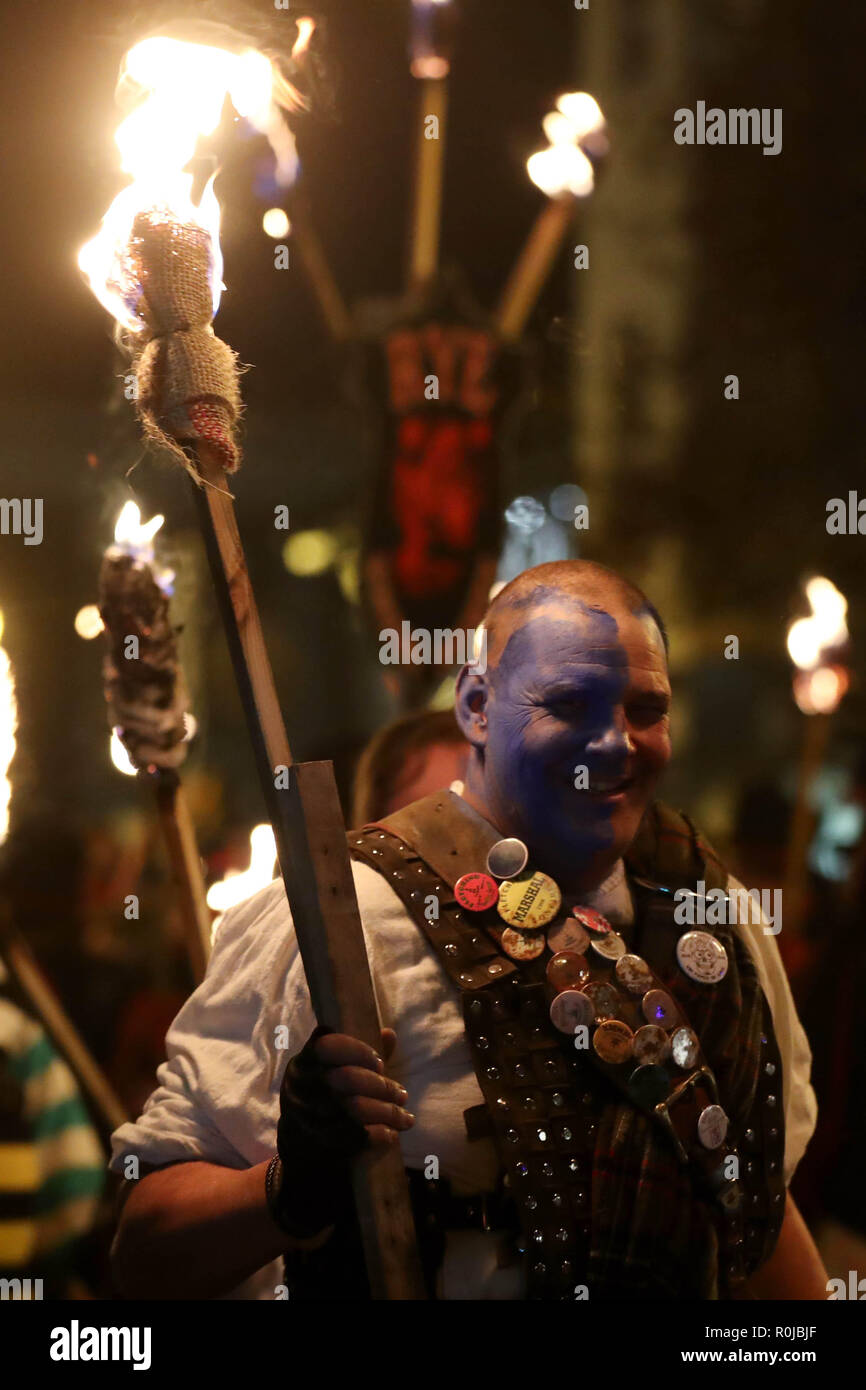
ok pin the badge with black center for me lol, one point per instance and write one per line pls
(507, 858)
(702, 957)
(648, 1085)
(528, 903)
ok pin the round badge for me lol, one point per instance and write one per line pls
(570, 1010)
(658, 1007)
(529, 902)
(703, 957)
(567, 970)
(520, 946)
(476, 892)
(609, 947)
(651, 1045)
(588, 917)
(648, 1085)
(507, 858)
(634, 974)
(712, 1126)
(605, 999)
(613, 1041)
(685, 1048)
(568, 935)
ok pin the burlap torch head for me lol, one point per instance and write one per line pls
(187, 378)
(145, 692)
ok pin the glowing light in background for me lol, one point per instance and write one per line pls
(308, 553)
(8, 727)
(120, 757)
(237, 885)
(276, 223)
(88, 622)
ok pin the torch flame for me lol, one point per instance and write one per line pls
(237, 886)
(809, 638)
(177, 92)
(135, 538)
(575, 130)
(820, 682)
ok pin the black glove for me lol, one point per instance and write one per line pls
(308, 1182)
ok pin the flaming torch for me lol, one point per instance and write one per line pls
(156, 265)
(147, 705)
(816, 645)
(565, 171)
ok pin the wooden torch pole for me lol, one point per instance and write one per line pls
(183, 855)
(314, 861)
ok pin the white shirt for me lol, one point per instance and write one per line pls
(218, 1094)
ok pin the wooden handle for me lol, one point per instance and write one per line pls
(314, 862)
(180, 841)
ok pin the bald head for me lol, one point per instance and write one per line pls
(594, 586)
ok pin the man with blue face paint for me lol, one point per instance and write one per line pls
(606, 1106)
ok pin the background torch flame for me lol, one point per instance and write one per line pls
(820, 681)
(576, 130)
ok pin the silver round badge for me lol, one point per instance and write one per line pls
(507, 858)
(634, 974)
(685, 1048)
(570, 1009)
(703, 957)
(712, 1126)
(609, 947)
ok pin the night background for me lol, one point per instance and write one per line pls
(704, 261)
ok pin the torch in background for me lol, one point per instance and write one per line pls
(817, 647)
(565, 171)
(432, 24)
(147, 705)
(156, 265)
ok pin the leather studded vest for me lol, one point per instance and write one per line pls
(602, 1198)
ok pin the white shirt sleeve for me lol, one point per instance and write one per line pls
(217, 1094)
(801, 1107)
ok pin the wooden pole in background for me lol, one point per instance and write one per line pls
(314, 861)
(183, 854)
(429, 169)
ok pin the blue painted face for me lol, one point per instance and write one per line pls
(575, 688)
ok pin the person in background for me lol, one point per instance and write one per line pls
(52, 1167)
(408, 759)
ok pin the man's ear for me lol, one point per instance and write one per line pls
(472, 696)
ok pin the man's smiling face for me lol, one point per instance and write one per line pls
(573, 687)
